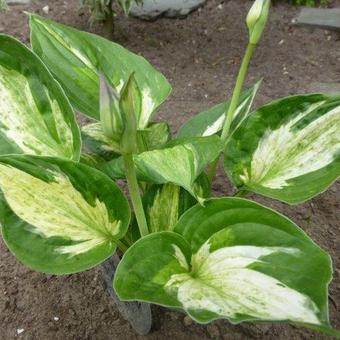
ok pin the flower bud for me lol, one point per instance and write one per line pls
(257, 19)
(119, 113)
(130, 104)
(110, 115)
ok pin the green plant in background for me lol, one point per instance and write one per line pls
(3, 5)
(102, 11)
(311, 3)
(224, 257)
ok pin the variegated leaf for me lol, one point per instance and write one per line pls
(180, 162)
(35, 115)
(232, 259)
(97, 143)
(289, 149)
(59, 216)
(155, 136)
(164, 204)
(209, 122)
(76, 58)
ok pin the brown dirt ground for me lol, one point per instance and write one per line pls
(200, 56)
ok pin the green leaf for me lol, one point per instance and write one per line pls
(147, 266)
(125, 5)
(76, 58)
(164, 204)
(35, 115)
(3, 6)
(59, 216)
(179, 162)
(97, 143)
(232, 259)
(211, 121)
(288, 149)
(155, 136)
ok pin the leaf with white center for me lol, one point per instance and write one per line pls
(35, 115)
(231, 258)
(76, 58)
(180, 162)
(155, 136)
(59, 216)
(209, 122)
(289, 149)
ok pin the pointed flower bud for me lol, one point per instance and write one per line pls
(257, 19)
(110, 115)
(130, 104)
(119, 113)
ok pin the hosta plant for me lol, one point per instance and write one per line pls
(3, 5)
(210, 257)
(102, 11)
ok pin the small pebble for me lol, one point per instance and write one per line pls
(187, 321)
(281, 42)
(56, 318)
(20, 330)
(46, 9)
(213, 331)
(220, 6)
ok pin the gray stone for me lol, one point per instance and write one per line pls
(328, 88)
(138, 314)
(327, 18)
(18, 2)
(152, 9)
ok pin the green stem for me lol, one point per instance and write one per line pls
(136, 200)
(241, 193)
(237, 91)
(121, 246)
(233, 104)
(109, 21)
(212, 170)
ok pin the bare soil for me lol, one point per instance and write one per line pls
(200, 55)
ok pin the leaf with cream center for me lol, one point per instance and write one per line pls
(231, 258)
(164, 204)
(35, 115)
(289, 149)
(76, 58)
(59, 216)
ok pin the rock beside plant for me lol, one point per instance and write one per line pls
(18, 2)
(153, 9)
